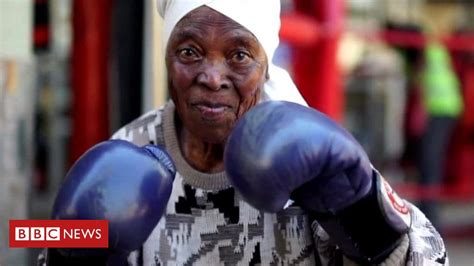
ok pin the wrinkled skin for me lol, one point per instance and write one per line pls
(216, 71)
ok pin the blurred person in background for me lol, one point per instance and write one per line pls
(443, 105)
(239, 153)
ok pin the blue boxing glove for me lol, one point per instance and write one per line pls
(117, 181)
(280, 151)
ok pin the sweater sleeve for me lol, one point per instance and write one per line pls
(426, 247)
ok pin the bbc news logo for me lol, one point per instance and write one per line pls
(59, 233)
(37, 233)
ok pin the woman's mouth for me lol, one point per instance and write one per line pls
(210, 111)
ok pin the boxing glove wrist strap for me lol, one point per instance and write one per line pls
(370, 229)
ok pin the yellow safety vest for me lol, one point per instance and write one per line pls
(441, 89)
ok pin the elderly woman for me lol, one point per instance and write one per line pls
(218, 57)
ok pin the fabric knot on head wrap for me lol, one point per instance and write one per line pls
(260, 17)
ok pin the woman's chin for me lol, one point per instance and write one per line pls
(218, 136)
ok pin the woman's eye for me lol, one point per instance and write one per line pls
(187, 52)
(241, 57)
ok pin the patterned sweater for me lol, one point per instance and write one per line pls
(207, 223)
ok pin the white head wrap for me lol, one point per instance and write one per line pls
(260, 17)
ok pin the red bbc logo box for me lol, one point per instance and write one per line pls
(59, 233)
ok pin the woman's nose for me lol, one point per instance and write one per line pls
(214, 76)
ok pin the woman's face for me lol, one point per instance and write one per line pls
(216, 71)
